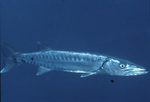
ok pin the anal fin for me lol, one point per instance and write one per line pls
(42, 70)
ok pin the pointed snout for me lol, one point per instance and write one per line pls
(135, 71)
(140, 71)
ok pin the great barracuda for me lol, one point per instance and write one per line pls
(85, 63)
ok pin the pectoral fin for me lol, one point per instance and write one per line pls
(87, 74)
(42, 70)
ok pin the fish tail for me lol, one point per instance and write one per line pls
(10, 54)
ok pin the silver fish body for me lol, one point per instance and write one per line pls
(65, 61)
(76, 62)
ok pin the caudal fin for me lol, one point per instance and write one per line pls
(10, 55)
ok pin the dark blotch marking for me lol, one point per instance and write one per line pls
(112, 81)
(23, 60)
(15, 60)
(32, 58)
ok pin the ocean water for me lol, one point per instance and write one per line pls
(118, 28)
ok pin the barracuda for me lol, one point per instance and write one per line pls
(85, 63)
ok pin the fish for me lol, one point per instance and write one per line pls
(86, 64)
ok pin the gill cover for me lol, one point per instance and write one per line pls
(121, 67)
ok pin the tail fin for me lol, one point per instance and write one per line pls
(10, 55)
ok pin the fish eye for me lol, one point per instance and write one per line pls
(122, 65)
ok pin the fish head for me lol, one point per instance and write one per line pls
(123, 68)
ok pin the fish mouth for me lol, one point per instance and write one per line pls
(135, 71)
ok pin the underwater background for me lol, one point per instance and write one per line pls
(118, 28)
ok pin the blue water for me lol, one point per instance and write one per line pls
(115, 27)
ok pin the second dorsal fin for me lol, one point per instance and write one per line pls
(42, 47)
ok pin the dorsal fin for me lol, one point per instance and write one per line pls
(42, 47)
